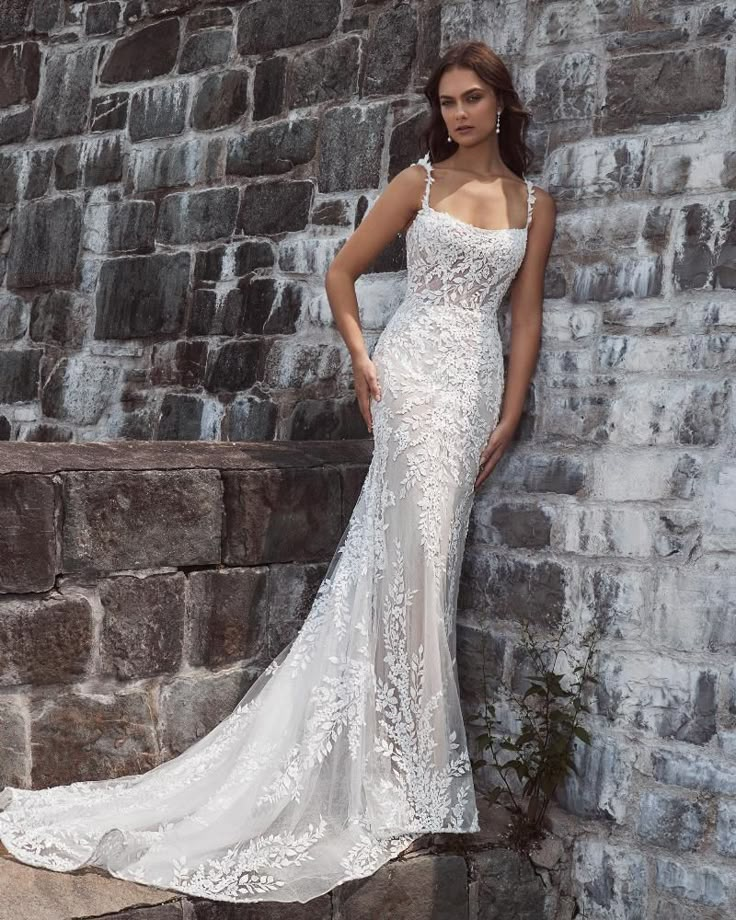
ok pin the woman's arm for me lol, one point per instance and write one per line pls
(527, 293)
(391, 212)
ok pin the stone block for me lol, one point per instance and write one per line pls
(140, 520)
(421, 888)
(293, 588)
(119, 226)
(600, 785)
(281, 516)
(102, 18)
(268, 25)
(220, 99)
(79, 390)
(44, 640)
(508, 886)
(235, 366)
(76, 737)
(661, 87)
(609, 880)
(185, 162)
(109, 112)
(701, 884)
(205, 49)
(158, 111)
(19, 374)
(269, 87)
(27, 534)
(146, 53)
(324, 74)
(46, 238)
(227, 617)
(63, 102)
(275, 206)
(351, 127)
(673, 822)
(20, 66)
(194, 217)
(13, 317)
(326, 420)
(191, 706)
(140, 296)
(390, 51)
(13, 744)
(272, 149)
(252, 418)
(142, 632)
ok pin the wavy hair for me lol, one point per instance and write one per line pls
(489, 67)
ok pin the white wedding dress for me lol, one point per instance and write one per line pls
(351, 743)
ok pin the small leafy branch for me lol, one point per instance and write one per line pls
(541, 754)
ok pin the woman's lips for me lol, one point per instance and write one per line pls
(464, 129)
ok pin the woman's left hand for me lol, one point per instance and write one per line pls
(499, 440)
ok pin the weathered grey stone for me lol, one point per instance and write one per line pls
(705, 255)
(694, 771)
(508, 886)
(63, 102)
(566, 87)
(609, 880)
(60, 318)
(513, 589)
(186, 162)
(13, 317)
(275, 148)
(267, 25)
(252, 418)
(13, 742)
(281, 516)
(77, 737)
(269, 86)
(220, 99)
(44, 641)
(19, 374)
(316, 909)
(275, 207)
(181, 418)
(227, 616)
(158, 111)
(700, 884)
(503, 523)
(146, 53)
(326, 420)
(95, 162)
(209, 19)
(45, 243)
(102, 18)
(192, 217)
(142, 631)
(659, 695)
(292, 591)
(119, 226)
(27, 534)
(671, 821)
(661, 87)
(20, 66)
(600, 785)
(324, 74)
(351, 128)
(15, 126)
(390, 51)
(205, 49)
(109, 112)
(725, 828)
(192, 706)
(234, 366)
(629, 277)
(592, 168)
(127, 520)
(292, 363)
(142, 296)
(39, 164)
(79, 390)
(420, 888)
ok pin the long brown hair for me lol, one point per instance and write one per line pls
(490, 69)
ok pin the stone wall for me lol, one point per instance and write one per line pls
(174, 179)
(163, 279)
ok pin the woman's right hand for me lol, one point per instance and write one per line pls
(366, 385)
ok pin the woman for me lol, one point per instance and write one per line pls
(351, 744)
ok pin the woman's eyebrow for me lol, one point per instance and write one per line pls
(473, 89)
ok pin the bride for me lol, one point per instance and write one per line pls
(351, 744)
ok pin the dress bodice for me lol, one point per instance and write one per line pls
(456, 262)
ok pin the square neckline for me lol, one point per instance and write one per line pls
(426, 206)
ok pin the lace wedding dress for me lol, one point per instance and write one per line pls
(351, 743)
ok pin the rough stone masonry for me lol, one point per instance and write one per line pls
(175, 177)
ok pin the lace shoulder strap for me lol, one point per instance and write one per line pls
(529, 200)
(426, 162)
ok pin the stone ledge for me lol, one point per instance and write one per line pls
(52, 457)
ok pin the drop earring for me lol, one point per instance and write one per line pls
(449, 138)
(498, 123)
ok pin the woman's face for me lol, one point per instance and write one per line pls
(468, 105)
